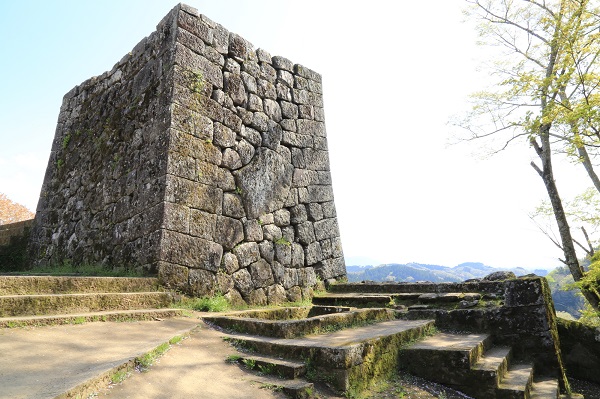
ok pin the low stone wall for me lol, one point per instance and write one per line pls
(580, 346)
(13, 231)
(13, 245)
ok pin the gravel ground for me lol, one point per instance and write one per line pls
(588, 389)
(405, 386)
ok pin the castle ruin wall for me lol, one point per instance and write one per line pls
(200, 159)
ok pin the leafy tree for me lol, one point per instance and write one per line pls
(11, 212)
(546, 92)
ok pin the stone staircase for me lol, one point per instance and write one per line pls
(498, 317)
(345, 348)
(351, 358)
(41, 300)
(471, 364)
(280, 374)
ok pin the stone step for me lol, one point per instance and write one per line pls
(413, 300)
(448, 297)
(493, 365)
(545, 389)
(359, 300)
(488, 287)
(517, 382)
(295, 389)
(457, 352)
(288, 325)
(273, 366)
(29, 285)
(118, 315)
(338, 357)
(487, 372)
(32, 305)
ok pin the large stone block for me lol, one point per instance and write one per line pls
(202, 282)
(261, 274)
(193, 252)
(326, 228)
(229, 232)
(247, 253)
(264, 182)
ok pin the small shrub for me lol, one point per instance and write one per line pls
(249, 363)
(233, 358)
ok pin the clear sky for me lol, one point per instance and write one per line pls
(394, 74)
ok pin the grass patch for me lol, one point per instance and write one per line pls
(145, 361)
(94, 270)
(79, 320)
(217, 303)
(15, 324)
(176, 339)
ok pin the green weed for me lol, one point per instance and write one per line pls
(233, 358)
(266, 368)
(66, 140)
(145, 361)
(271, 387)
(249, 363)
(119, 377)
(283, 241)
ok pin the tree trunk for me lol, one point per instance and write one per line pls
(547, 175)
(587, 164)
(584, 156)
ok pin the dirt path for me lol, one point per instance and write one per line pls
(43, 362)
(195, 368)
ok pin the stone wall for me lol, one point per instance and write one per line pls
(102, 196)
(580, 345)
(200, 159)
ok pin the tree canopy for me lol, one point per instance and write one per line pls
(544, 93)
(11, 212)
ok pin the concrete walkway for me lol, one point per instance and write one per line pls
(45, 362)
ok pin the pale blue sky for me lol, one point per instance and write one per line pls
(393, 74)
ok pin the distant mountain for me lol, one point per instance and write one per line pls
(356, 269)
(422, 272)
